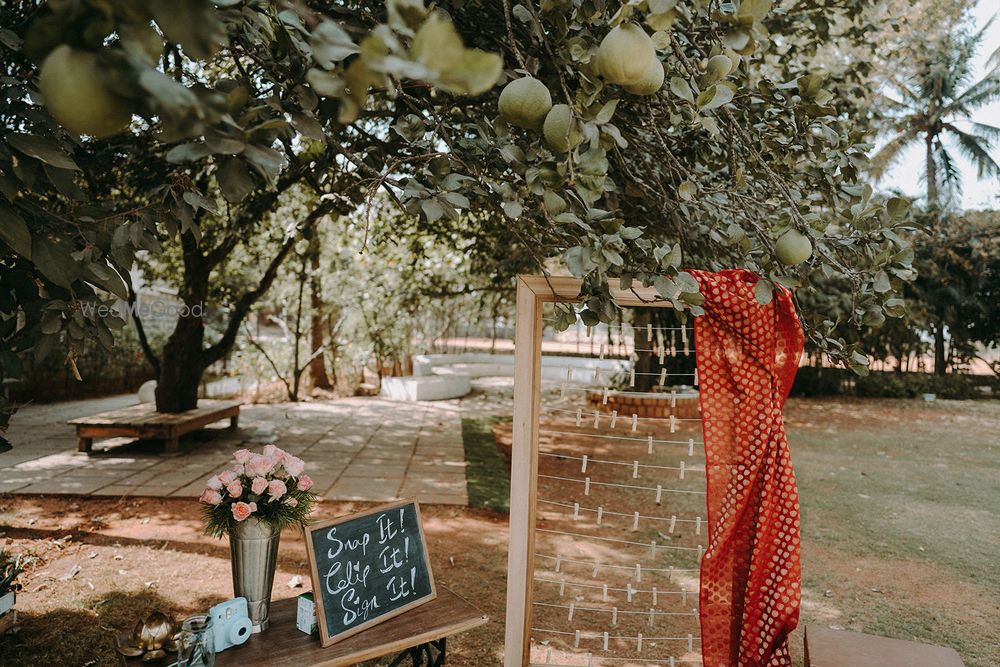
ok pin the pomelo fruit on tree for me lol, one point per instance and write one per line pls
(525, 102)
(625, 55)
(793, 247)
(560, 129)
(652, 82)
(76, 96)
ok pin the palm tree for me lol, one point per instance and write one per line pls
(928, 105)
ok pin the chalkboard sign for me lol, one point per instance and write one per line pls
(367, 568)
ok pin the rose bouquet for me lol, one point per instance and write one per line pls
(270, 487)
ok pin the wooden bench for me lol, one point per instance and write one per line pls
(143, 421)
(840, 648)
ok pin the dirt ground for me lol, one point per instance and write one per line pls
(900, 516)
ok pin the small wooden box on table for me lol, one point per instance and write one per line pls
(416, 634)
(143, 421)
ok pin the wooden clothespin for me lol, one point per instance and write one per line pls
(697, 525)
(673, 424)
(600, 514)
(690, 446)
(673, 399)
(629, 591)
(614, 616)
(649, 444)
(579, 417)
(631, 378)
(659, 494)
(652, 616)
(572, 608)
(558, 563)
(638, 573)
(635, 422)
(604, 593)
(583, 463)
(614, 418)
(604, 399)
(576, 511)
(663, 376)
(605, 641)
(576, 639)
(635, 470)
(673, 523)
(586, 486)
(597, 418)
(635, 522)
(638, 644)
(654, 596)
(682, 470)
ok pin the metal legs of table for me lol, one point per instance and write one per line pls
(424, 655)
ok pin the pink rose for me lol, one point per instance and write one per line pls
(227, 477)
(294, 466)
(215, 483)
(276, 488)
(235, 489)
(253, 507)
(291, 502)
(259, 466)
(305, 483)
(242, 510)
(272, 452)
(242, 456)
(210, 496)
(258, 485)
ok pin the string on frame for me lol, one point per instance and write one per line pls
(619, 508)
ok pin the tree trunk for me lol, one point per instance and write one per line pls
(643, 345)
(317, 367)
(940, 362)
(931, 173)
(182, 363)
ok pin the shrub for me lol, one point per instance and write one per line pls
(913, 385)
(820, 381)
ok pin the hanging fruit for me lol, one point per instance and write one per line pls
(625, 55)
(525, 102)
(76, 96)
(560, 129)
(652, 82)
(793, 247)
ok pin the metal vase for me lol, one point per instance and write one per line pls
(254, 547)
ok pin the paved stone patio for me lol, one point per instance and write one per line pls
(355, 449)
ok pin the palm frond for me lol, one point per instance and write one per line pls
(981, 93)
(990, 132)
(951, 180)
(976, 150)
(888, 154)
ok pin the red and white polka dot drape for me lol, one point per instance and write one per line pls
(750, 578)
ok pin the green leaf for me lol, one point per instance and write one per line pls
(882, 284)
(714, 97)
(234, 180)
(41, 148)
(330, 44)
(606, 112)
(681, 89)
(459, 70)
(14, 231)
(687, 190)
(685, 280)
(762, 292)
(194, 24)
(54, 261)
(188, 152)
(432, 209)
(897, 208)
(578, 261)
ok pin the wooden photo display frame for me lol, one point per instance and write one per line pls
(534, 292)
(381, 560)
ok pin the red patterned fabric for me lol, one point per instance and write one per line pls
(747, 355)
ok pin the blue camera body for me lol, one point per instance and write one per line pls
(231, 625)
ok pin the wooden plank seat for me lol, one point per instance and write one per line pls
(841, 648)
(143, 421)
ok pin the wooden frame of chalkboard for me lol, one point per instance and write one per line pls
(326, 638)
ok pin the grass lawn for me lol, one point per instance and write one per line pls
(900, 505)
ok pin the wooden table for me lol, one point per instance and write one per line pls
(143, 421)
(841, 648)
(416, 634)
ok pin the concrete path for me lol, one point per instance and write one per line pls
(355, 449)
